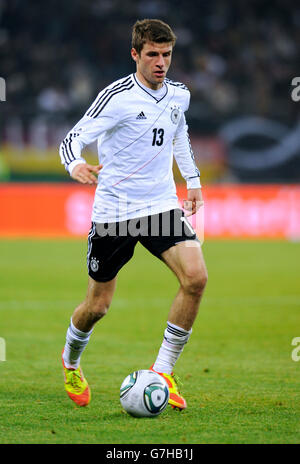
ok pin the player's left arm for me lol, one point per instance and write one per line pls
(185, 159)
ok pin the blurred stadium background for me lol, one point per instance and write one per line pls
(237, 58)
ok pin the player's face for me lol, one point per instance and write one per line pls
(152, 63)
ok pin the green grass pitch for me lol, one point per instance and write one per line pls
(239, 378)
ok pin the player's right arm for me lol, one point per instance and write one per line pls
(85, 132)
(86, 173)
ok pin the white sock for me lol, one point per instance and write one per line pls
(76, 341)
(173, 343)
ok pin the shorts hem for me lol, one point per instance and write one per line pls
(170, 245)
(103, 279)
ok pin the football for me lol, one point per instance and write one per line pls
(144, 393)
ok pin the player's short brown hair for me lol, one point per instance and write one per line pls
(151, 30)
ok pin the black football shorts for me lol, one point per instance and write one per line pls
(111, 245)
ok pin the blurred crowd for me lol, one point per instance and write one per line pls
(236, 57)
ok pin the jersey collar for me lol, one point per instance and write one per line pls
(150, 94)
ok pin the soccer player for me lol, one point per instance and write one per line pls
(139, 125)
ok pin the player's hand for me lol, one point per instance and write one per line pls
(86, 173)
(194, 201)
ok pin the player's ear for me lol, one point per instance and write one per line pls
(134, 55)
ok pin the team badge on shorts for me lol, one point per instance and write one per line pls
(175, 115)
(94, 264)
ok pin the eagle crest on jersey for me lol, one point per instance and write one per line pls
(175, 115)
(138, 133)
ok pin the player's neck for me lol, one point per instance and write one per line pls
(148, 84)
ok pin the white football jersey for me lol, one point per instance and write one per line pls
(138, 132)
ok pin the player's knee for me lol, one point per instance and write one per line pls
(98, 309)
(194, 281)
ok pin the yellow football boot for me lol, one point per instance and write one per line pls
(76, 386)
(176, 400)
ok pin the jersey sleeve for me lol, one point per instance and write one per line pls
(184, 155)
(98, 119)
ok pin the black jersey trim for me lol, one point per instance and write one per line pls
(156, 99)
(109, 96)
(68, 149)
(105, 97)
(176, 84)
(100, 97)
(64, 154)
(67, 157)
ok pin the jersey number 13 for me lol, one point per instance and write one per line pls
(158, 137)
